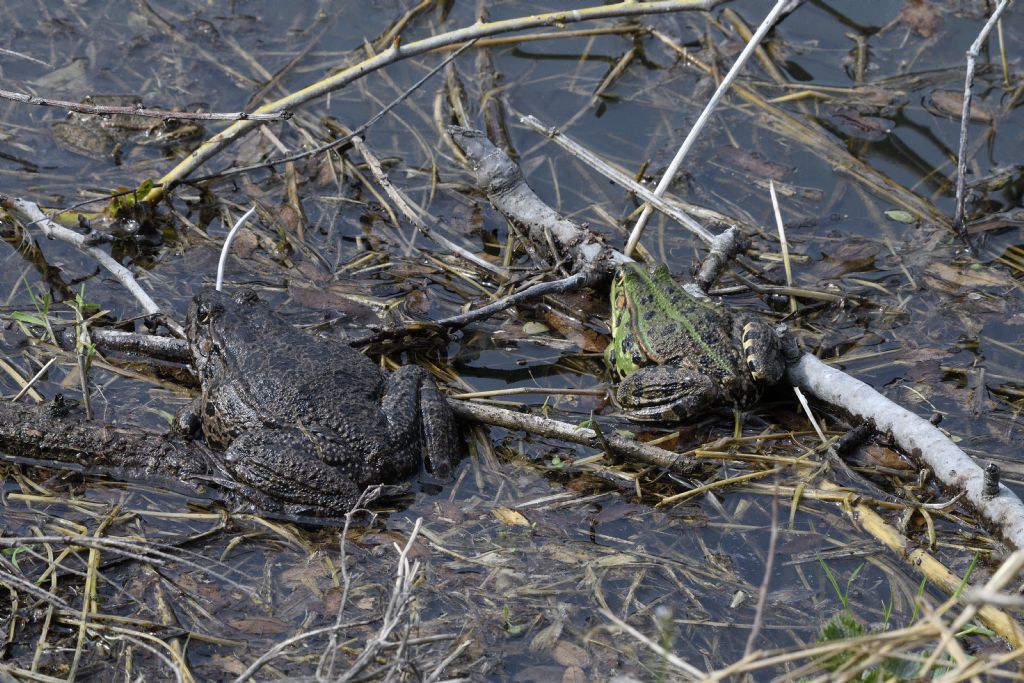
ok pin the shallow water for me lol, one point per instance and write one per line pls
(527, 546)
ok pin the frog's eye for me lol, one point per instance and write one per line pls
(205, 312)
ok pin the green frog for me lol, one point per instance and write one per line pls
(309, 422)
(678, 355)
(98, 136)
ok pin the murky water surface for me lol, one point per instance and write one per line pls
(534, 550)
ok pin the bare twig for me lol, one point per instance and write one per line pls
(86, 108)
(567, 284)
(762, 592)
(965, 117)
(508, 191)
(149, 345)
(629, 448)
(22, 55)
(677, 161)
(724, 248)
(27, 387)
(325, 667)
(406, 573)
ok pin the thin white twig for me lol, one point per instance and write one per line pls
(396, 609)
(673, 168)
(227, 245)
(35, 378)
(783, 243)
(53, 230)
(809, 413)
(681, 664)
(435, 676)
(965, 117)
(22, 55)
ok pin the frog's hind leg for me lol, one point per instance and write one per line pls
(420, 425)
(281, 465)
(762, 351)
(667, 393)
(441, 443)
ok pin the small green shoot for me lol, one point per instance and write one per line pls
(507, 624)
(917, 601)
(84, 346)
(967, 576)
(887, 610)
(42, 316)
(843, 595)
(12, 554)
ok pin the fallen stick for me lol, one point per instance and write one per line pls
(53, 230)
(918, 437)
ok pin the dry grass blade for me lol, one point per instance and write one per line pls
(783, 244)
(398, 52)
